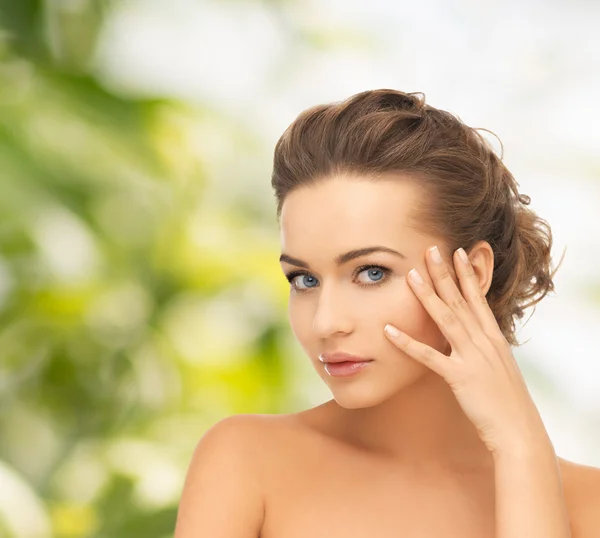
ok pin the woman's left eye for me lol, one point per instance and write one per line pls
(374, 272)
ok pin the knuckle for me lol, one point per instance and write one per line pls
(428, 354)
(444, 274)
(469, 273)
(449, 318)
(459, 304)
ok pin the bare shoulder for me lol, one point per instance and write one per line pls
(224, 478)
(581, 485)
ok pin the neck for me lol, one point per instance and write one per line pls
(423, 426)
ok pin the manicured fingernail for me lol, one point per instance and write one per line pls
(463, 255)
(392, 331)
(435, 255)
(416, 277)
(398, 336)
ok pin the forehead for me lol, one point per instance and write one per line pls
(349, 213)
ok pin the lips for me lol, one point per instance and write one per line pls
(341, 357)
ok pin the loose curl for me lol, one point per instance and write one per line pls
(471, 194)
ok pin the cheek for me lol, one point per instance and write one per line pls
(406, 312)
(300, 319)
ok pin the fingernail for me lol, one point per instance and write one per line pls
(463, 255)
(399, 337)
(435, 255)
(392, 331)
(416, 277)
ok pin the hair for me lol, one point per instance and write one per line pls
(471, 194)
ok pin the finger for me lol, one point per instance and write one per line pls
(433, 359)
(447, 321)
(474, 296)
(449, 292)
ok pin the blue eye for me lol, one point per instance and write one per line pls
(375, 274)
(304, 277)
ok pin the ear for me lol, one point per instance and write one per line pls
(481, 256)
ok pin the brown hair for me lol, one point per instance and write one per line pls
(473, 196)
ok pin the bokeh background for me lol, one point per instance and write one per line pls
(141, 299)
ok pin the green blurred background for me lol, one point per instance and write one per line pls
(118, 274)
(140, 295)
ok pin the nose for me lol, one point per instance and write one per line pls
(332, 315)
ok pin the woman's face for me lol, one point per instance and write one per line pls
(344, 308)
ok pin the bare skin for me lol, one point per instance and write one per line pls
(336, 488)
(392, 454)
(322, 485)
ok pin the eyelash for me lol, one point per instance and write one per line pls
(291, 276)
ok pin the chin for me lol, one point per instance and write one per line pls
(362, 401)
(371, 388)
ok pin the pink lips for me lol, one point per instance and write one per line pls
(343, 364)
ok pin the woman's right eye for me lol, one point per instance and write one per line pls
(291, 277)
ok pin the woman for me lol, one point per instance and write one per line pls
(410, 253)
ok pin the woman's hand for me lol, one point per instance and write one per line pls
(480, 370)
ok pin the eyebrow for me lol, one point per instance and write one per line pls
(341, 259)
